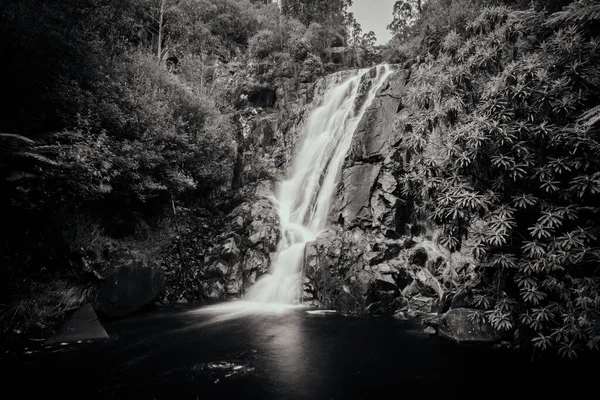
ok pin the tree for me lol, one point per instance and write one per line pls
(369, 39)
(405, 15)
(355, 32)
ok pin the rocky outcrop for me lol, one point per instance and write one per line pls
(83, 325)
(379, 256)
(131, 282)
(244, 250)
(368, 191)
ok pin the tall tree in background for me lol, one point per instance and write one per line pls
(405, 14)
(355, 34)
(329, 13)
(308, 11)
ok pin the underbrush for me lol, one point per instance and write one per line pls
(41, 306)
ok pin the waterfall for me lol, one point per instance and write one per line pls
(304, 199)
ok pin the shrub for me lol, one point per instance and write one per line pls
(262, 44)
(503, 165)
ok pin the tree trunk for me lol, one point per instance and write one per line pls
(184, 270)
(160, 30)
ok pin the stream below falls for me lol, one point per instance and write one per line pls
(279, 352)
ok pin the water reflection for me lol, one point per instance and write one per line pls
(239, 309)
(258, 351)
(283, 349)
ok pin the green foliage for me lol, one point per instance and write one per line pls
(405, 14)
(263, 44)
(320, 11)
(42, 305)
(501, 122)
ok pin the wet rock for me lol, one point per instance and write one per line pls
(464, 325)
(383, 298)
(131, 283)
(256, 263)
(352, 203)
(235, 280)
(429, 285)
(82, 325)
(375, 134)
(422, 304)
(402, 278)
(419, 257)
(230, 250)
(263, 229)
(213, 289)
(430, 330)
(412, 289)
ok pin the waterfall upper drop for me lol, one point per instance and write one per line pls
(304, 199)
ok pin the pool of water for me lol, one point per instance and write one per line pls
(243, 352)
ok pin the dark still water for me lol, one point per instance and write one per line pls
(281, 354)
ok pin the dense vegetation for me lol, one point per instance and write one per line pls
(113, 109)
(501, 120)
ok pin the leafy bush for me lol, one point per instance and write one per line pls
(502, 163)
(311, 67)
(262, 44)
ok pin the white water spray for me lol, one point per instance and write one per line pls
(304, 199)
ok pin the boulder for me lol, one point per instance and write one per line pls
(256, 263)
(465, 325)
(83, 325)
(263, 231)
(402, 278)
(419, 257)
(383, 298)
(422, 304)
(131, 283)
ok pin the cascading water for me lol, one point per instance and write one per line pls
(304, 198)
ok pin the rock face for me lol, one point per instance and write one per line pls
(244, 251)
(83, 325)
(378, 255)
(464, 325)
(368, 190)
(364, 262)
(130, 283)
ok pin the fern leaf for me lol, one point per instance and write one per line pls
(10, 142)
(590, 117)
(579, 11)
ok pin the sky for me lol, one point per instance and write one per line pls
(374, 15)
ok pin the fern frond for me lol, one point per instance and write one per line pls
(10, 142)
(579, 11)
(590, 117)
(37, 157)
